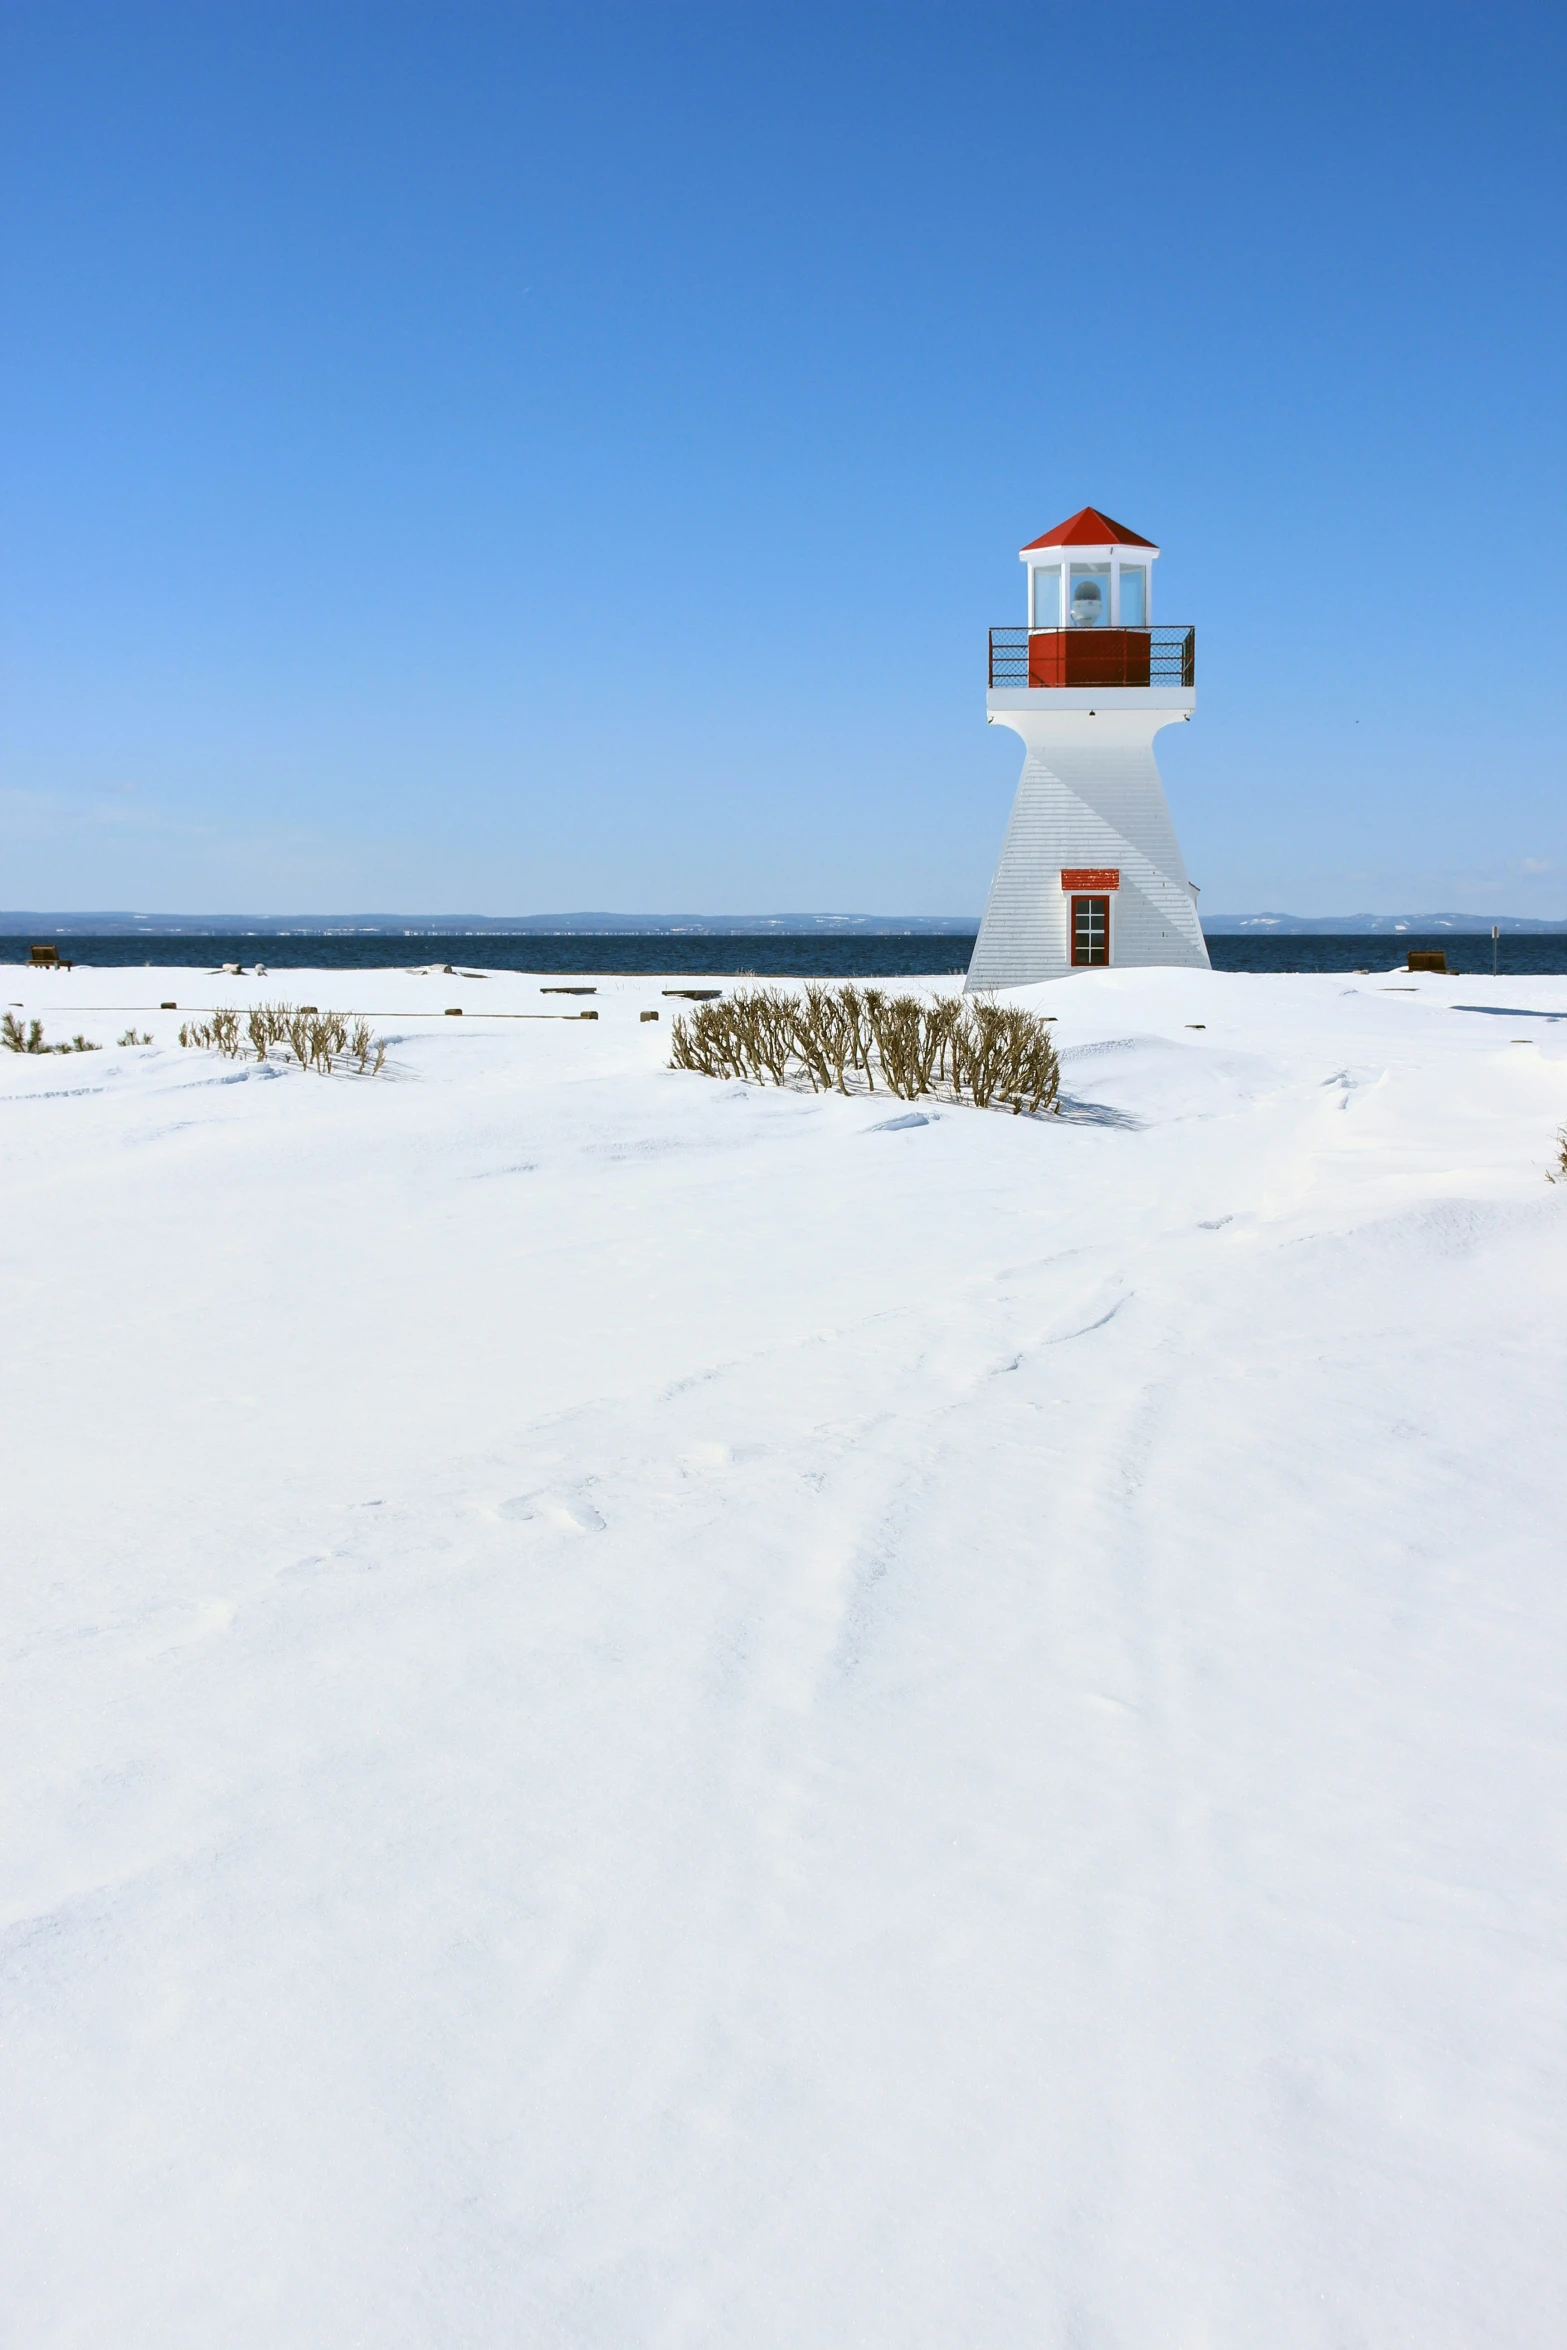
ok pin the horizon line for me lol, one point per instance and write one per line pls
(17, 922)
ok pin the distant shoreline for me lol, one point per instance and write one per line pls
(155, 928)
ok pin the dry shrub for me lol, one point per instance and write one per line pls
(219, 1034)
(266, 1026)
(317, 1040)
(838, 1039)
(17, 1039)
(1004, 1055)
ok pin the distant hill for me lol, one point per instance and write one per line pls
(602, 925)
(1372, 925)
(122, 925)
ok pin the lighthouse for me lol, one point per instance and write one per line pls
(1090, 872)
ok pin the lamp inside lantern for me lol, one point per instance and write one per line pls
(1090, 597)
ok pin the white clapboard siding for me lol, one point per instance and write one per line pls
(1090, 795)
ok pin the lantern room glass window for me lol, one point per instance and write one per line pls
(1134, 595)
(1047, 596)
(1090, 595)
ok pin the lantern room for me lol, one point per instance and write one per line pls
(1090, 603)
(1090, 572)
(1090, 615)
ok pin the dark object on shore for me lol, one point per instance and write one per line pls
(168, 1007)
(454, 1011)
(568, 991)
(46, 958)
(587, 1015)
(1427, 959)
(647, 1015)
(696, 995)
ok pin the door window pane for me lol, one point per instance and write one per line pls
(1134, 595)
(1047, 596)
(1090, 930)
(1090, 595)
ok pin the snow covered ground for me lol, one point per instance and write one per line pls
(638, 1712)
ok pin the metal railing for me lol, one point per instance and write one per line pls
(1049, 657)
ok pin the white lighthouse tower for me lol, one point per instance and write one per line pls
(1090, 869)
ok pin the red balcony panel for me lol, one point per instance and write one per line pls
(1088, 656)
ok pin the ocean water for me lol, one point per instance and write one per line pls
(1520, 957)
(770, 957)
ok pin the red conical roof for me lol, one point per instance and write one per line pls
(1089, 528)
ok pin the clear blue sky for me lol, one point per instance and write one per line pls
(501, 459)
